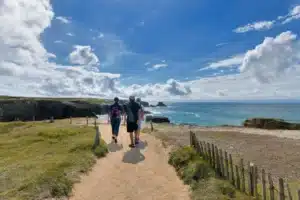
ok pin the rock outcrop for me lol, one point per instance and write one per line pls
(269, 123)
(157, 119)
(161, 104)
(26, 110)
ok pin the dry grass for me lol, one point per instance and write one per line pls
(40, 160)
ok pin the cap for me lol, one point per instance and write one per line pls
(132, 98)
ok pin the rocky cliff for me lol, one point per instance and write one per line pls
(268, 123)
(27, 109)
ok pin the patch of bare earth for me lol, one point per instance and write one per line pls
(277, 151)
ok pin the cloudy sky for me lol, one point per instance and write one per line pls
(168, 50)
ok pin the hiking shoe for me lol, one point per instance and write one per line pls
(132, 146)
(137, 141)
(115, 139)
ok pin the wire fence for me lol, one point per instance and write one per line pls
(246, 177)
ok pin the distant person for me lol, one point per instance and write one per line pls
(132, 109)
(141, 119)
(115, 113)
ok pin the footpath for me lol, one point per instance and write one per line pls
(131, 174)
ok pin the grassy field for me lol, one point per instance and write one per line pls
(41, 160)
(89, 100)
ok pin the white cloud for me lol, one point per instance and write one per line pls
(24, 65)
(83, 55)
(158, 66)
(63, 20)
(272, 58)
(226, 63)
(294, 14)
(58, 42)
(172, 88)
(70, 34)
(256, 26)
(147, 63)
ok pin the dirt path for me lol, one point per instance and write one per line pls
(133, 174)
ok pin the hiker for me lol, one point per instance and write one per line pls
(141, 117)
(115, 113)
(132, 109)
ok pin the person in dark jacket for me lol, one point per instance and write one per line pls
(132, 110)
(115, 113)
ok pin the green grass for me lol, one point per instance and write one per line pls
(197, 173)
(41, 160)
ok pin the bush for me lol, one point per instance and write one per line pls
(195, 171)
(182, 156)
(101, 150)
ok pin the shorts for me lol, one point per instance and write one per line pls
(131, 127)
(140, 124)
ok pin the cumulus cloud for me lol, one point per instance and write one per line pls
(158, 66)
(172, 88)
(83, 55)
(256, 26)
(226, 63)
(63, 20)
(25, 68)
(270, 59)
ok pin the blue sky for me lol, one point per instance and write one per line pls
(185, 34)
(161, 44)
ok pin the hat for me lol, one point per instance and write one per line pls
(132, 98)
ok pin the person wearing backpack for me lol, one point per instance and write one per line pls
(115, 113)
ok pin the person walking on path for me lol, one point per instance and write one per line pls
(115, 113)
(132, 109)
(141, 118)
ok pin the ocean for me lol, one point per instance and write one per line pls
(216, 114)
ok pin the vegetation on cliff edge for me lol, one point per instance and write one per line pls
(197, 173)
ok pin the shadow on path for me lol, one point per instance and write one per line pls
(113, 147)
(134, 155)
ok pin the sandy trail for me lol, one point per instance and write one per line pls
(140, 173)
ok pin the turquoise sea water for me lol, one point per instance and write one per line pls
(213, 114)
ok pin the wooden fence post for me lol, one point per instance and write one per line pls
(271, 187)
(298, 194)
(97, 138)
(218, 160)
(52, 119)
(33, 118)
(87, 120)
(95, 122)
(255, 181)
(243, 185)
(264, 190)
(151, 124)
(70, 119)
(209, 154)
(213, 155)
(191, 139)
(238, 180)
(231, 170)
(221, 163)
(281, 189)
(250, 179)
(227, 166)
(289, 191)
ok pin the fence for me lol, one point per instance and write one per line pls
(248, 180)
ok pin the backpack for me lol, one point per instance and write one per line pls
(115, 111)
